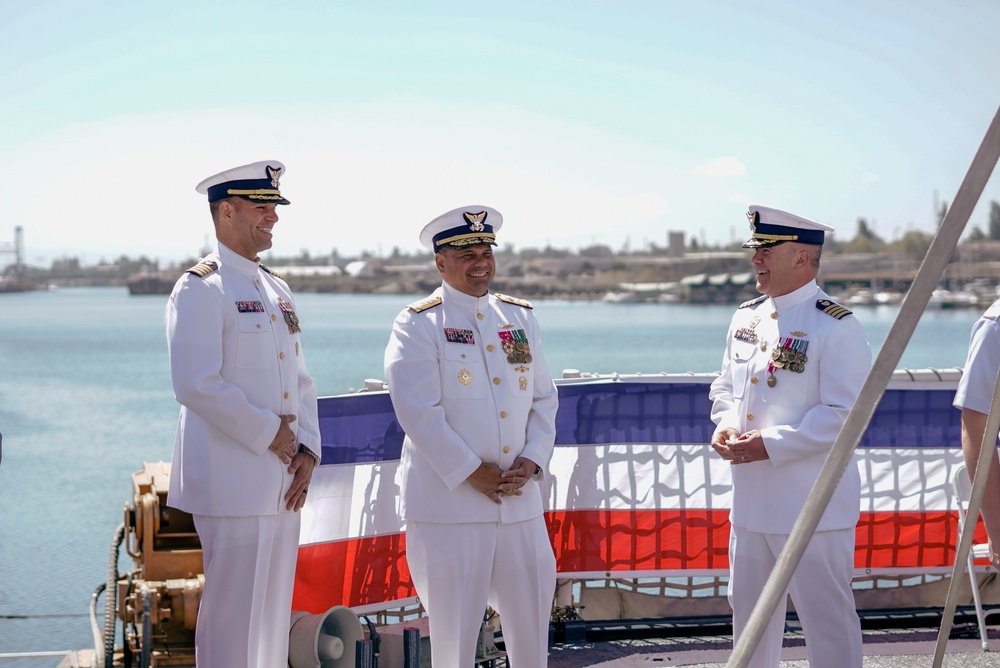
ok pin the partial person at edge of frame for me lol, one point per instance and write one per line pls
(974, 397)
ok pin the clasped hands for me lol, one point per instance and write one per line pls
(737, 448)
(285, 445)
(494, 482)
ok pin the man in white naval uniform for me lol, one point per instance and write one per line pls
(794, 364)
(248, 426)
(471, 389)
(974, 397)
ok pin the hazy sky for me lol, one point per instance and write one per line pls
(582, 122)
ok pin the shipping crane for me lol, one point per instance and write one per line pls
(17, 269)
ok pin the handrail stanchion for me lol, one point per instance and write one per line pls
(364, 656)
(411, 648)
(931, 270)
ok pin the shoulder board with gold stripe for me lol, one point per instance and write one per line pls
(273, 273)
(424, 304)
(753, 302)
(832, 308)
(513, 300)
(203, 269)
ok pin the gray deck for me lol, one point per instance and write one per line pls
(881, 649)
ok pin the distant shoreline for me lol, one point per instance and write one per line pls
(708, 277)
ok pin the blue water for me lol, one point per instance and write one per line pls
(85, 399)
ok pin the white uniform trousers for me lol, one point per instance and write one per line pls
(820, 589)
(245, 611)
(459, 569)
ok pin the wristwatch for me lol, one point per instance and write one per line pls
(309, 452)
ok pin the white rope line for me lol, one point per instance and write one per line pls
(917, 297)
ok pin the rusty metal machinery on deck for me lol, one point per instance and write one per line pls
(158, 601)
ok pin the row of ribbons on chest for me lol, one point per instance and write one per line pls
(789, 354)
(514, 342)
(291, 319)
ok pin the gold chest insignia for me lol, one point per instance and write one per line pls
(522, 383)
(748, 334)
(515, 345)
(464, 377)
(291, 319)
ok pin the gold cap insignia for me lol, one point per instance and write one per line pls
(274, 173)
(475, 220)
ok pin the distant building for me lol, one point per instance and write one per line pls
(675, 243)
(359, 269)
(717, 288)
(309, 270)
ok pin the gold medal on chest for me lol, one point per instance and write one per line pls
(464, 377)
(291, 319)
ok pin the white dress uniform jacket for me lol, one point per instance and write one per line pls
(462, 399)
(975, 388)
(236, 367)
(799, 418)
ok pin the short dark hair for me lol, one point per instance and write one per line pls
(213, 207)
(815, 255)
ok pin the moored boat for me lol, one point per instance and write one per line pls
(149, 283)
(11, 284)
